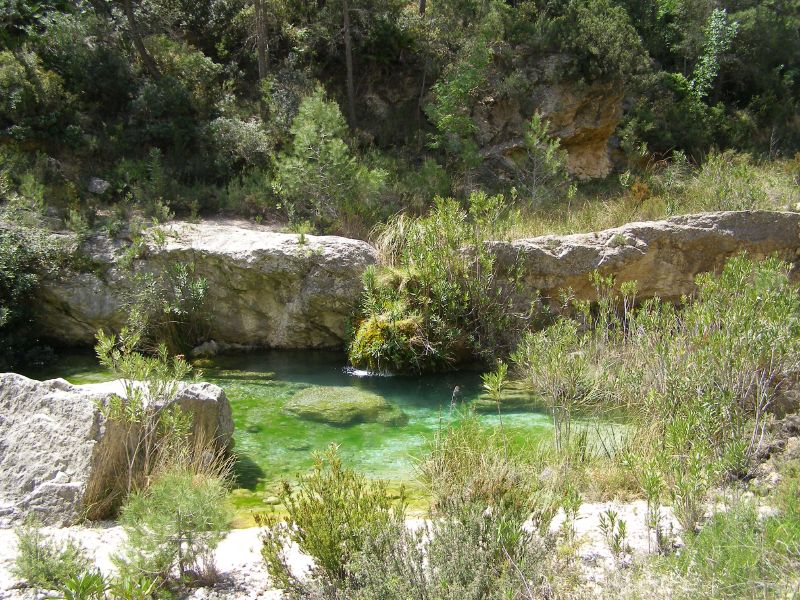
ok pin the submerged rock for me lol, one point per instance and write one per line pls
(344, 406)
(59, 456)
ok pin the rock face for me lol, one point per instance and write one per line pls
(583, 117)
(264, 288)
(344, 406)
(58, 454)
(268, 289)
(662, 256)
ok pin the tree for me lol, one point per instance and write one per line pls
(136, 37)
(261, 38)
(320, 178)
(348, 59)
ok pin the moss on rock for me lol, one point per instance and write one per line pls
(344, 406)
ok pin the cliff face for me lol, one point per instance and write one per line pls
(582, 116)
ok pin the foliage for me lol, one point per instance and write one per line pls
(738, 555)
(156, 427)
(332, 511)
(542, 175)
(26, 255)
(168, 308)
(319, 178)
(440, 300)
(725, 181)
(44, 563)
(557, 367)
(454, 95)
(95, 91)
(173, 527)
(469, 464)
(465, 553)
(698, 383)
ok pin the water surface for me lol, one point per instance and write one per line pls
(274, 445)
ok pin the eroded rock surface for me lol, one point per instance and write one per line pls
(270, 290)
(664, 257)
(264, 288)
(582, 117)
(58, 454)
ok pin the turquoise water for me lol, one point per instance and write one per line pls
(274, 445)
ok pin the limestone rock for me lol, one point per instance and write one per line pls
(664, 257)
(344, 406)
(583, 116)
(265, 289)
(58, 454)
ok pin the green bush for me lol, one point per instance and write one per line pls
(169, 307)
(44, 563)
(441, 298)
(698, 382)
(319, 178)
(157, 430)
(739, 555)
(465, 553)
(331, 513)
(173, 528)
(26, 255)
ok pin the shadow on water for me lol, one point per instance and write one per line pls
(247, 473)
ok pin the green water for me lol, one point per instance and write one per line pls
(273, 445)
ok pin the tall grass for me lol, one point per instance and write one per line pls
(725, 181)
(697, 382)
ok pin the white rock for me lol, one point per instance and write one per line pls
(58, 454)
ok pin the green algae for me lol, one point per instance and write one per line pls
(273, 445)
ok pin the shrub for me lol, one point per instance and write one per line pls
(173, 527)
(466, 553)
(43, 563)
(331, 513)
(26, 255)
(442, 298)
(738, 555)
(168, 308)
(698, 382)
(320, 179)
(157, 429)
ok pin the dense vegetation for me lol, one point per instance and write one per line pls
(335, 116)
(344, 112)
(369, 119)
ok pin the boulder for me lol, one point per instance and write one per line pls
(275, 290)
(344, 406)
(664, 257)
(59, 456)
(265, 289)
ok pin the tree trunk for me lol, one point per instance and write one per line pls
(136, 36)
(348, 57)
(422, 8)
(261, 39)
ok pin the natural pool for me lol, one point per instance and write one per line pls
(274, 445)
